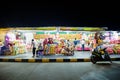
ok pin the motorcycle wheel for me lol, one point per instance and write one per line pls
(93, 60)
(107, 57)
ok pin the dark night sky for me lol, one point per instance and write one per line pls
(57, 14)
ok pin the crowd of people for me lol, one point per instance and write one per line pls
(67, 46)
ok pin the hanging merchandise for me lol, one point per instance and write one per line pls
(9, 43)
(83, 36)
(29, 37)
(115, 35)
(10, 37)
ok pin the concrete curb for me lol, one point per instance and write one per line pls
(47, 60)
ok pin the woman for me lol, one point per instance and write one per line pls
(40, 50)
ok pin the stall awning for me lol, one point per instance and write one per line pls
(83, 28)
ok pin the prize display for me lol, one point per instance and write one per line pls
(109, 41)
(13, 44)
(15, 41)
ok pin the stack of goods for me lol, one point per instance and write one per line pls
(110, 50)
(28, 47)
(116, 49)
(20, 47)
(52, 49)
(79, 48)
(113, 47)
(58, 48)
(87, 48)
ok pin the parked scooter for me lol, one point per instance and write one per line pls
(97, 56)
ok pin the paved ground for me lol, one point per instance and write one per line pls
(60, 71)
(78, 54)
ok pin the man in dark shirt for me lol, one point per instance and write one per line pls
(75, 42)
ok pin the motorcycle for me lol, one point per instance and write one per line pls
(97, 56)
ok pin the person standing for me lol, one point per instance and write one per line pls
(75, 42)
(68, 43)
(83, 44)
(33, 47)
